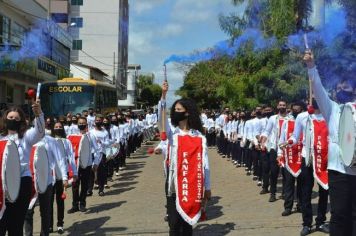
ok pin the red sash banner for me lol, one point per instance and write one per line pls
(34, 192)
(75, 140)
(293, 155)
(189, 177)
(320, 153)
(2, 170)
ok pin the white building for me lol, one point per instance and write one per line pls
(131, 92)
(87, 72)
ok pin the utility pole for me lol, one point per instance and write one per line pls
(113, 74)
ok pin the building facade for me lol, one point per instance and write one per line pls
(33, 49)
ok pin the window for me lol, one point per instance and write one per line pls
(18, 34)
(77, 44)
(76, 22)
(4, 29)
(77, 2)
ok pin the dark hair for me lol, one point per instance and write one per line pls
(84, 111)
(191, 108)
(301, 104)
(23, 124)
(82, 118)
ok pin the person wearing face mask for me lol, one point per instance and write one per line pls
(68, 124)
(210, 127)
(14, 128)
(113, 136)
(58, 188)
(240, 135)
(57, 165)
(318, 167)
(119, 136)
(342, 178)
(48, 125)
(103, 141)
(228, 134)
(269, 142)
(291, 157)
(247, 140)
(256, 130)
(73, 128)
(185, 140)
(85, 174)
(91, 118)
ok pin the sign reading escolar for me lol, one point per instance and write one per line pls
(65, 89)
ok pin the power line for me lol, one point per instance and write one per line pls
(95, 58)
(18, 9)
(97, 12)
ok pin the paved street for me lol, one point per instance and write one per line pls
(135, 204)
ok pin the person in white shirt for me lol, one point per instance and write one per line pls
(256, 127)
(113, 136)
(221, 123)
(289, 183)
(56, 162)
(240, 134)
(103, 141)
(228, 134)
(85, 174)
(307, 179)
(14, 128)
(91, 118)
(248, 140)
(73, 128)
(269, 142)
(210, 130)
(342, 179)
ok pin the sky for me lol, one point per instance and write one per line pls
(160, 28)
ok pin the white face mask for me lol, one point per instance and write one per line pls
(48, 132)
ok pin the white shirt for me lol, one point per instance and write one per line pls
(271, 132)
(151, 119)
(91, 121)
(331, 112)
(24, 145)
(70, 158)
(102, 140)
(73, 129)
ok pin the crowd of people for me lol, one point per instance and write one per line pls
(83, 151)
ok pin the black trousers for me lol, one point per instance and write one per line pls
(123, 154)
(235, 150)
(229, 149)
(102, 173)
(83, 184)
(210, 139)
(58, 190)
(256, 160)
(248, 158)
(307, 183)
(177, 225)
(45, 211)
(13, 218)
(342, 189)
(270, 170)
(289, 188)
(110, 165)
(239, 153)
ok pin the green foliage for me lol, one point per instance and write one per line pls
(149, 92)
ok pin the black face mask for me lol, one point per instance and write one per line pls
(282, 110)
(295, 114)
(315, 104)
(178, 116)
(98, 124)
(82, 127)
(344, 96)
(114, 122)
(258, 113)
(91, 113)
(75, 122)
(69, 123)
(58, 132)
(13, 125)
(106, 125)
(242, 117)
(268, 114)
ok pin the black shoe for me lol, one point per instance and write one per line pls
(165, 218)
(73, 210)
(255, 178)
(272, 198)
(264, 191)
(305, 231)
(323, 228)
(248, 173)
(281, 197)
(101, 194)
(82, 208)
(60, 230)
(298, 209)
(286, 212)
(89, 193)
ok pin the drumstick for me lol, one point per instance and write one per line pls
(163, 116)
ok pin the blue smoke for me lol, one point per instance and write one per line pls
(36, 43)
(335, 24)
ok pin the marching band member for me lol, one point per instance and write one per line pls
(240, 135)
(103, 141)
(185, 117)
(210, 127)
(73, 128)
(56, 162)
(291, 157)
(113, 132)
(91, 118)
(14, 128)
(59, 133)
(319, 147)
(235, 142)
(269, 141)
(248, 142)
(84, 174)
(228, 130)
(342, 179)
(256, 127)
(119, 136)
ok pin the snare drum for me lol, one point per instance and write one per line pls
(39, 166)
(81, 147)
(347, 134)
(10, 169)
(111, 153)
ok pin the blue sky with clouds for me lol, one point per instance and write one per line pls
(160, 28)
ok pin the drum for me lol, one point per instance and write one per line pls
(111, 153)
(211, 130)
(81, 146)
(347, 134)
(10, 170)
(40, 168)
(309, 142)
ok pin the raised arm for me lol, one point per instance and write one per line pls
(35, 134)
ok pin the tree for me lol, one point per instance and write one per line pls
(151, 94)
